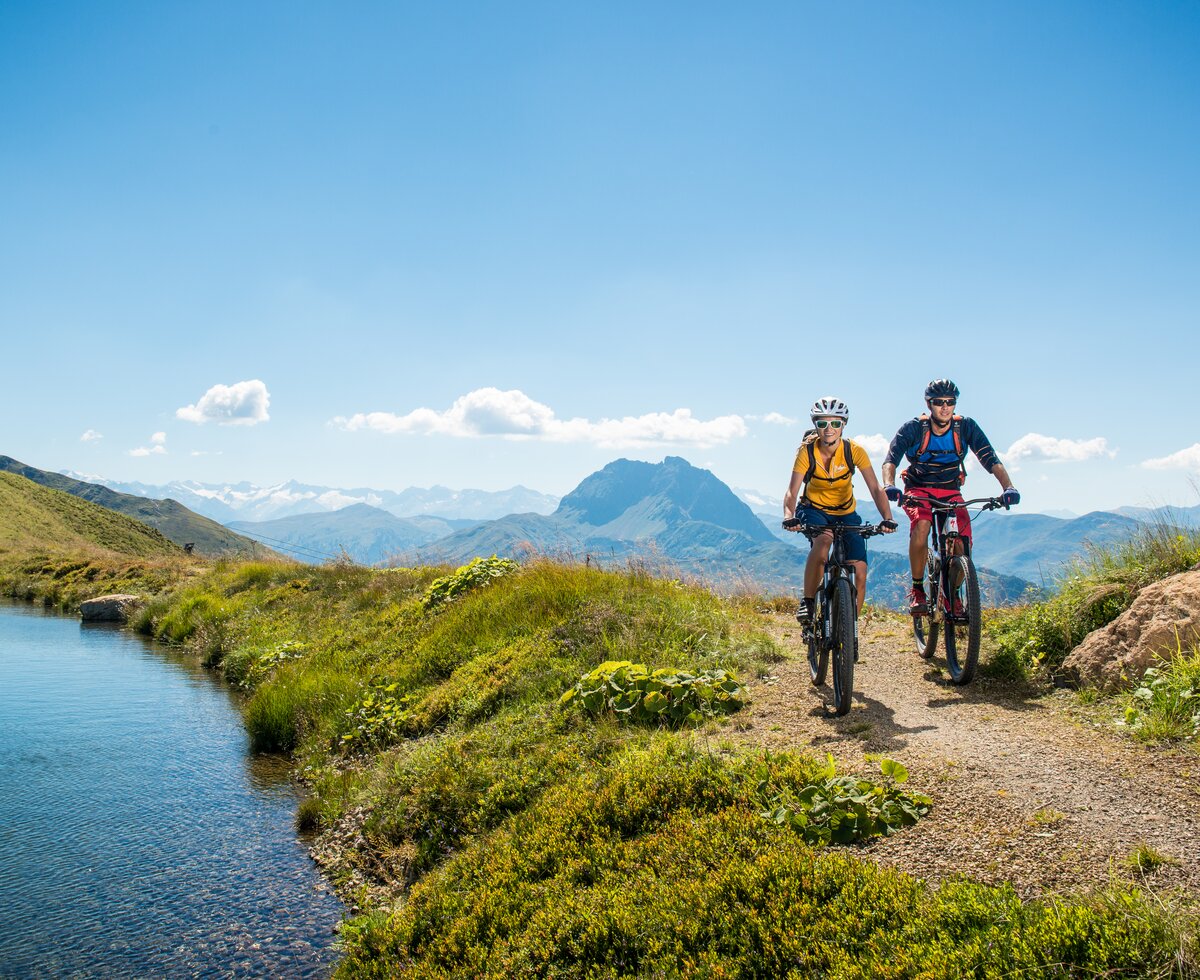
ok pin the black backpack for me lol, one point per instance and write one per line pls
(808, 441)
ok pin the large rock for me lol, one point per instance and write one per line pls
(108, 608)
(1164, 618)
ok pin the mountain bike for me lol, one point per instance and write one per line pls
(833, 629)
(952, 590)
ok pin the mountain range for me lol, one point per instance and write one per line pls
(361, 532)
(671, 513)
(226, 502)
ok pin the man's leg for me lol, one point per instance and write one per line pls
(918, 548)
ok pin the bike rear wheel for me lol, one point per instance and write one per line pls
(843, 645)
(962, 631)
(818, 651)
(925, 628)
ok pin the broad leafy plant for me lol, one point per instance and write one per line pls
(665, 696)
(846, 809)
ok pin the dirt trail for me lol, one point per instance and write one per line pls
(1026, 789)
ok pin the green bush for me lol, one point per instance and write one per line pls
(665, 696)
(476, 573)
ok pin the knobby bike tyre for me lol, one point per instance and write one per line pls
(962, 632)
(818, 649)
(842, 645)
(925, 628)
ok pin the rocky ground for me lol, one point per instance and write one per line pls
(1029, 787)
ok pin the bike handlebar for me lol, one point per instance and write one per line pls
(809, 530)
(989, 503)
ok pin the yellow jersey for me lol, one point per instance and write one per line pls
(830, 489)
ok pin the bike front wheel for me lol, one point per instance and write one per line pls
(818, 651)
(925, 628)
(843, 645)
(962, 620)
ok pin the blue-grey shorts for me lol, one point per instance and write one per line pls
(856, 547)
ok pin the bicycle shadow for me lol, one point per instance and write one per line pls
(1006, 694)
(871, 724)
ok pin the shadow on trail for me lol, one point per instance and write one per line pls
(871, 724)
(1009, 695)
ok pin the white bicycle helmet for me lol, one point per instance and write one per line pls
(829, 406)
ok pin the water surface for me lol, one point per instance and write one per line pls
(138, 837)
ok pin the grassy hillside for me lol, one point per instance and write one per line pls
(37, 518)
(175, 521)
(485, 829)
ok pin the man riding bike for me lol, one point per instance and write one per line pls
(936, 446)
(821, 493)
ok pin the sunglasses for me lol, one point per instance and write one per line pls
(942, 402)
(825, 423)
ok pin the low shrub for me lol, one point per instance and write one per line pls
(659, 864)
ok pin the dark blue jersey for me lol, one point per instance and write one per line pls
(939, 465)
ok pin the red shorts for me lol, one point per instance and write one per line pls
(921, 511)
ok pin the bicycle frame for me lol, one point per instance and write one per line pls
(833, 628)
(953, 591)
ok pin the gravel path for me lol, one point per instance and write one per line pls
(1026, 788)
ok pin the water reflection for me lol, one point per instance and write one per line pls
(137, 836)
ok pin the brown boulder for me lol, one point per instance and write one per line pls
(1164, 618)
(108, 608)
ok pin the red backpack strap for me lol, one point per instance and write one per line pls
(926, 434)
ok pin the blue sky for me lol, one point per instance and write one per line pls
(487, 244)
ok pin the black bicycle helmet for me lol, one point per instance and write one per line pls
(941, 388)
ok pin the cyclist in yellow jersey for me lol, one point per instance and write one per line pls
(822, 492)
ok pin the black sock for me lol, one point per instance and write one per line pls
(918, 583)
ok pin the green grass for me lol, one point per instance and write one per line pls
(1165, 705)
(1099, 587)
(37, 518)
(521, 837)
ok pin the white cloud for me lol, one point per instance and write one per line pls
(1036, 446)
(514, 415)
(1185, 459)
(90, 436)
(243, 403)
(876, 445)
(157, 447)
(776, 419)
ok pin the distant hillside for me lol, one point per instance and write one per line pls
(34, 518)
(364, 533)
(1034, 547)
(680, 517)
(174, 520)
(228, 502)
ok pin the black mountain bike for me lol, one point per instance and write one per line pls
(833, 630)
(952, 590)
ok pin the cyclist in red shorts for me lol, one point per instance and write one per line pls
(936, 446)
